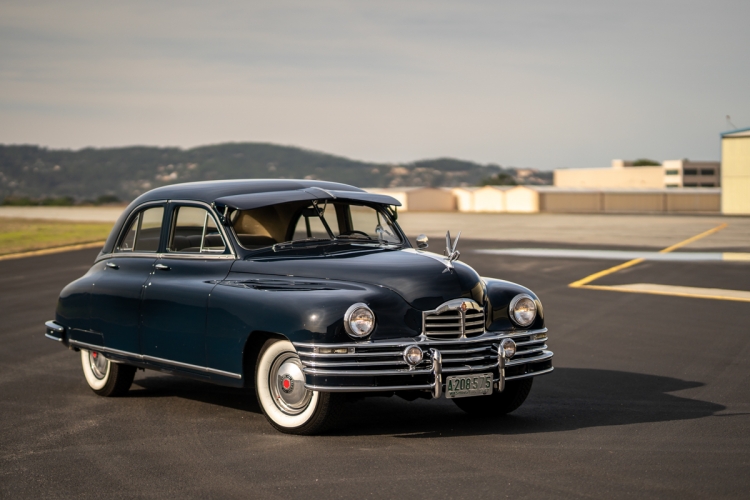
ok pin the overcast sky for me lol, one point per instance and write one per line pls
(541, 84)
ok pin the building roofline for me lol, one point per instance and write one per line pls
(736, 131)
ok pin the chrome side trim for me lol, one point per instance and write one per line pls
(532, 374)
(321, 388)
(54, 326)
(469, 368)
(522, 361)
(365, 373)
(423, 341)
(52, 337)
(144, 357)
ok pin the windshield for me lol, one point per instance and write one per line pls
(306, 223)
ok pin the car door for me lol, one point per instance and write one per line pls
(119, 279)
(175, 298)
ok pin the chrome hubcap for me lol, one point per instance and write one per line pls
(287, 383)
(98, 364)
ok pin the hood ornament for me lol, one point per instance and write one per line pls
(450, 250)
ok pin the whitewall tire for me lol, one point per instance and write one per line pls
(105, 377)
(281, 392)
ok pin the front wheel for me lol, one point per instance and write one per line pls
(281, 392)
(499, 403)
(105, 377)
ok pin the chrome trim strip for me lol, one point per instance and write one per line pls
(468, 368)
(59, 339)
(536, 341)
(532, 374)
(522, 361)
(320, 388)
(54, 326)
(144, 357)
(365, 373)
(531, 351)
(348, 355)
(323, 364)
(488, 336)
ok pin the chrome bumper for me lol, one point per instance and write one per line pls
(379, 365)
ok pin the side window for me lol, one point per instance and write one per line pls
(194, 231)
(144, 232)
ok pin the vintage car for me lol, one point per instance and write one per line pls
(307, 291)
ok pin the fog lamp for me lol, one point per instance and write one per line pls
(359, 321)
(509, 347)
(413, 355)
(522, 309)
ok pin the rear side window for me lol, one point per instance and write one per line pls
(195, 231)
(144, 232)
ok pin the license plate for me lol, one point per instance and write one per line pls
(463, 386)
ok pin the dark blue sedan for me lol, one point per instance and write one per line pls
(307, 291)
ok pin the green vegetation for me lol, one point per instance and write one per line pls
(20, 235)
(645, 162)
(501, 179)
(34, 175)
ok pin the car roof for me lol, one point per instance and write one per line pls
(209, 191)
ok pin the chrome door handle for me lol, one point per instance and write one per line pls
(162, 267)
(112, 265)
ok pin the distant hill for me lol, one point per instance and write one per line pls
(124, 173)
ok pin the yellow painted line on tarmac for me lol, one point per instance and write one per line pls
(48, 251)
(736, 256)
(676, 291)
(588, 279)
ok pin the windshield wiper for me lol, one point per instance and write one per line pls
(310, 242)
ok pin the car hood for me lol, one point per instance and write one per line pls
(421, 278)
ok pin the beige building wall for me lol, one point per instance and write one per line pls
(693, 201)
(568, 201)
(490, 199)
(622, 177)
(464, 198)
(521, 199)
(430, 200)
(735, 173)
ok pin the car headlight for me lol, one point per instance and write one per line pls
(522, 309)
(359, 321)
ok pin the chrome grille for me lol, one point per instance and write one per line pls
(456, 319)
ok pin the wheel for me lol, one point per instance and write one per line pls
(281, 392)
(104, 377)
(499, 403)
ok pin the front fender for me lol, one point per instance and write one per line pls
(499, 295)
(300, 309)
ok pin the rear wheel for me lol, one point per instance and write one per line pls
(105, 377)
(499, 403)
(281, 392)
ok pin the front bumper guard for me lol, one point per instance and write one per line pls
(368, 367)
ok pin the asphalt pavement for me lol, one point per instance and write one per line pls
(650, 399)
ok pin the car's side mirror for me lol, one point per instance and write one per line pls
(422, 241)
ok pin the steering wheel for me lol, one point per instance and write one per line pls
(355, 231)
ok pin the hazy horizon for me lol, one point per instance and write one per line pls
(533, 85)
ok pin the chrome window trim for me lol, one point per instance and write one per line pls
(172, 255)
(144, 357)
(129, 221)
(210, 209)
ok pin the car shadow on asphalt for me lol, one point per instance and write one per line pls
(567, 399)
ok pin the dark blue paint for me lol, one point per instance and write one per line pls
(173, 308)
(203, 311)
